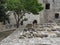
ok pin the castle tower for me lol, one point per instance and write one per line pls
(45, 10)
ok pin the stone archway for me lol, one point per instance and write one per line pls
(35, 22)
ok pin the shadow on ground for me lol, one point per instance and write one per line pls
(5, 34)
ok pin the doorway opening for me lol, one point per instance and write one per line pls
(35, 22)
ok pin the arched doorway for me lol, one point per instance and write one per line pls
(35, 22)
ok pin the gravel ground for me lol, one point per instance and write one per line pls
(13, 39)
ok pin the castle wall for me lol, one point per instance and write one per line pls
(54, 8)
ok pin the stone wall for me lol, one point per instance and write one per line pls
(44, 15)
(6, 28)
(49, 14)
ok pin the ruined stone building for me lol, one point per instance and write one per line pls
(50, 13)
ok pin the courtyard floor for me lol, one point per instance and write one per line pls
(4, 34)
(21, 37)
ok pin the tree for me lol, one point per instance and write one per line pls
(3, 16)
(20, 7)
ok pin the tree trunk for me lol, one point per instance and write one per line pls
(19, 14)
(18, 20)
(18, 23)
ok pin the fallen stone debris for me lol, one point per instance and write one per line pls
(41, 35)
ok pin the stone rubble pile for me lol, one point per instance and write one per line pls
(34, 36)
(31, 33)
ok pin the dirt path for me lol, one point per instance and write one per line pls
(5, 34)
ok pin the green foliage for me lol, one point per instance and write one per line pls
(13, 5)
(25, 5)
(3, 15)
(32, 6)
(2, 1)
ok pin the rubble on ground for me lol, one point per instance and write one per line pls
(42, 35)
